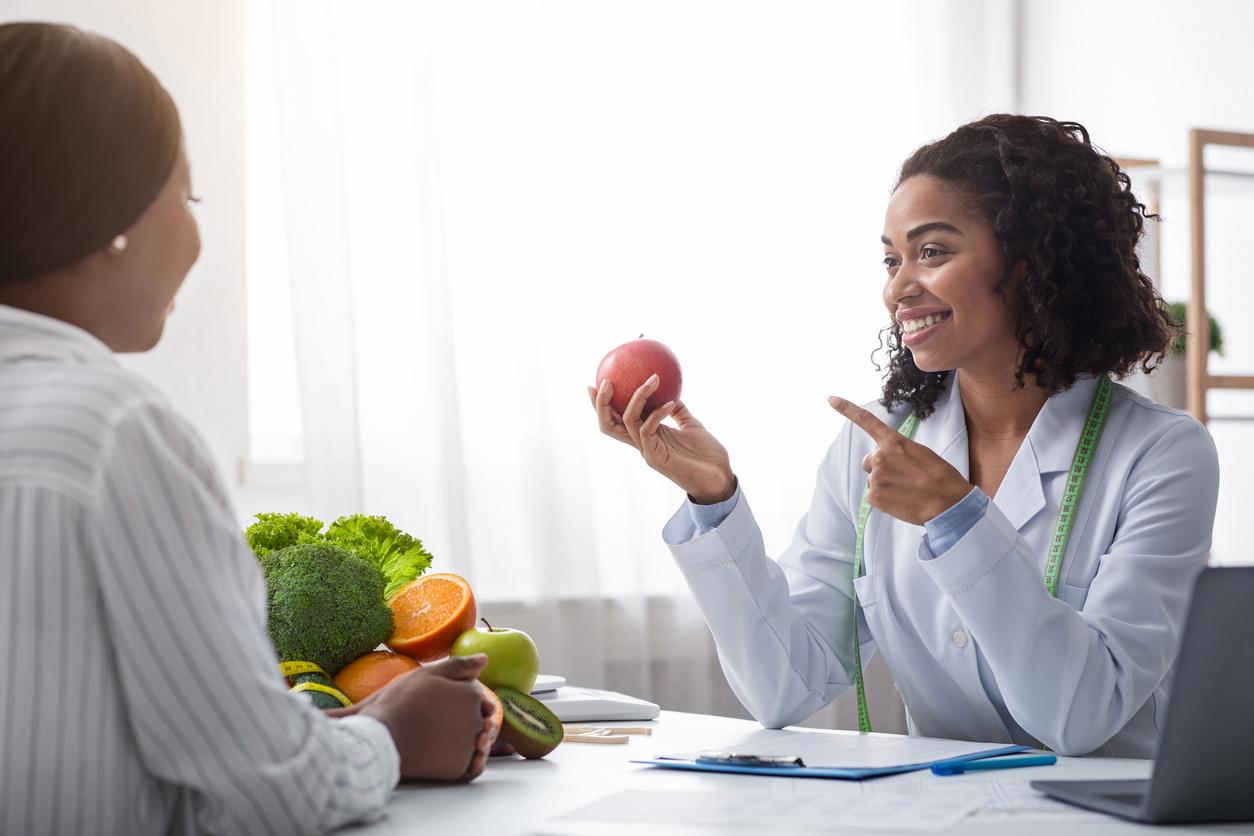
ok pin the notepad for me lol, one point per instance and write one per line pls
(580, 705)
(836, 755)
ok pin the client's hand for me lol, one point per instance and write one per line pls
(439, 719)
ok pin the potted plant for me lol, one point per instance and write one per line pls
(1167, 382)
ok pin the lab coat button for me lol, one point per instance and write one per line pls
(959, 639)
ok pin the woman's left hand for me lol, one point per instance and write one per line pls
(907, 480)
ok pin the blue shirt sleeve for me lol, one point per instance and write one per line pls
(709, 517)
(951, 525)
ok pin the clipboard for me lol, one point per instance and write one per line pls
(854, 773)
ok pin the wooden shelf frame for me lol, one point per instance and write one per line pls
(1199, 380)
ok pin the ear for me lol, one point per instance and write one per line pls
(1017, 275)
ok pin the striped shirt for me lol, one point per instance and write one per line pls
(139, 690)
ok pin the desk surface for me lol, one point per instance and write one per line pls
(514, 796)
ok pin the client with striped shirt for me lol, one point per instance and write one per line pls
(139, 690)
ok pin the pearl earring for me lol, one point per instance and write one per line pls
(118, 243)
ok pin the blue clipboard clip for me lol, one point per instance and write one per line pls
(744, 759)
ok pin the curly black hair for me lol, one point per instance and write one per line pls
(1065, 211)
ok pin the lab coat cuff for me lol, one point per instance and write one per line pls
(974, 556)
(695, 552)
(950, 525)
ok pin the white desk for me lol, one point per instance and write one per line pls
(514, 796)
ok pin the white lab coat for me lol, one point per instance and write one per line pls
(975, 644)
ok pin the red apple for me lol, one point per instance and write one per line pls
(631, 364)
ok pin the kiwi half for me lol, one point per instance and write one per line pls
(530, 727)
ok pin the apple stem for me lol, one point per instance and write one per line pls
(485, 621)
(641, 337)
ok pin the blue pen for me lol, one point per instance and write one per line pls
(993, 763)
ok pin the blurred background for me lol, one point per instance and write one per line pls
(425, 222)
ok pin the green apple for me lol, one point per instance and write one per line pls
(513, 660)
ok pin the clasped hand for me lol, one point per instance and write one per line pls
(905, 479)
(439, 718)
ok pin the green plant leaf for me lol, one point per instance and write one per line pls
(1179, 312)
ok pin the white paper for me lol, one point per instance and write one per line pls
(773, 812)
(844, 751)
(1000, 799)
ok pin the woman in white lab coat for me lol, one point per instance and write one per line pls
(1014, 294)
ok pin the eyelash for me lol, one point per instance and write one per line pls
(191, 198)
(891, 261)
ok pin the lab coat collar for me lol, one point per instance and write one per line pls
(945, 430)
(1057, 428)
(26, 335)
(1048, 447)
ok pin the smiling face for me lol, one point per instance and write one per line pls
(943, 261)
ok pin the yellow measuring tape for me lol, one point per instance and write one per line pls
(325, 689)
(290, 669)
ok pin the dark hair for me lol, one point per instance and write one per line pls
(88, 136)
(1064, 211)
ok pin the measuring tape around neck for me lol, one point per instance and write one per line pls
(1072, 491)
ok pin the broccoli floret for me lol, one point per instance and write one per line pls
(325, 605)
(272, 532)
(399, 556)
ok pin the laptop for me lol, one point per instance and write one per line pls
(1204, 769)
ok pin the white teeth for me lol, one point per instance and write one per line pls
(909, 326)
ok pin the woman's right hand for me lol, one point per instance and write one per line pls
(688, 454)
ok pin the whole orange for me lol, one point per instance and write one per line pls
(498, 712)
(366, 674)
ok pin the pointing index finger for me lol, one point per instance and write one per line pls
(872, 426)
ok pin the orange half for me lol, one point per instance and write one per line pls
(429, 614)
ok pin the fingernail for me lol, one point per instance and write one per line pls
(668, 405)
(604, 383)
(653, 379)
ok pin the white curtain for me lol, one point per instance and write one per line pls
(479, 200)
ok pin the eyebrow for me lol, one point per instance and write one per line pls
(923, 229)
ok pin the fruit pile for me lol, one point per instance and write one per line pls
(435, 617)
(337, 598)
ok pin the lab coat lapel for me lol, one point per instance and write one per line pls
(1048, 448)
(945, 430)
(1020, 496)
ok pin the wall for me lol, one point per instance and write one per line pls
(196, 49)
(1139, 75)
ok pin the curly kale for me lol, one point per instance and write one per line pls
(326, 605)
(272, 532)
(400, 557)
